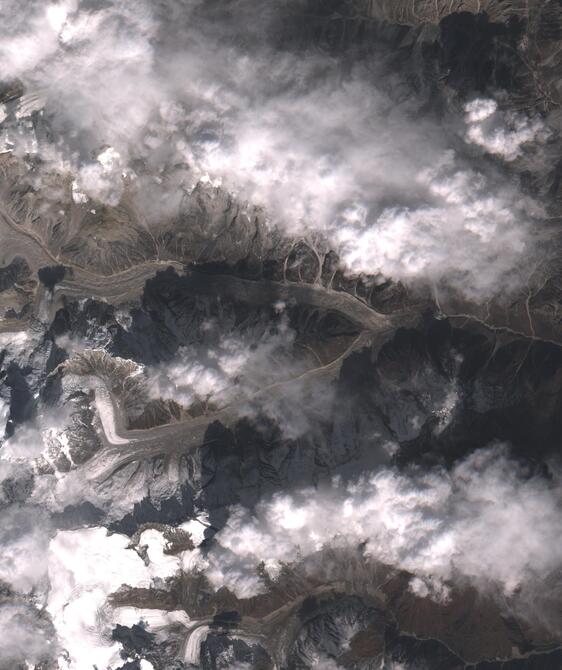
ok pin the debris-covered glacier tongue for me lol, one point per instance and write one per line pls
(280, 346)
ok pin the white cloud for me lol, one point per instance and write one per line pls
(322, 662)
(24, 537)
(31, 35)
(227, 367)
(257, 370)
(485, 521)
(93, 64)
(102, 180)
(25, 637)
(165, 86)
(467, 236)
(169, 84)
(85, 566)
(501, 133)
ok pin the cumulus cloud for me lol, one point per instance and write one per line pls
(102, 180)
(344, 160)
(60, 581)
(68, 575)
(43, 445)
(322, 662)
(503, 134)
(486, 521)
(85, 567)
(455, 237)
(122, 94)
(226, 367)
(202, 91)
(90, 62)
(259, 370)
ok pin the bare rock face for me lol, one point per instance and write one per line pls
(205, 382)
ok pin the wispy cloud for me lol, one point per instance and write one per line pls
(135, 92)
